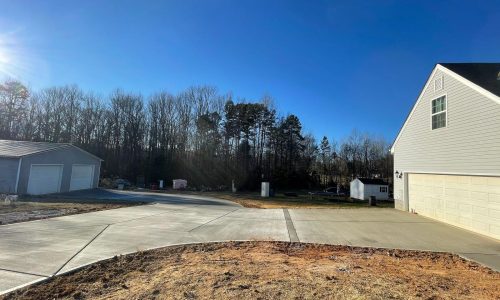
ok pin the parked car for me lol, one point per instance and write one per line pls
(331, 191)
(121, 181)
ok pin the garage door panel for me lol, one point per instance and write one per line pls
(494, 181)
(479, 226)
(494, 213)
(81, 177)
(493, 189)
(480, 196)
(495, 229)
(480, 211)
(494, 198)
(44, 179)
(470, 202)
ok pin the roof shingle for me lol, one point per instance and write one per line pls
(485, 75)
(375, 181)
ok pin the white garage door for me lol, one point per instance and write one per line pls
(470, 202)
(44, 179)
(81, 177)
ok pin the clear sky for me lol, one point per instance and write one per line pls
(338, 65)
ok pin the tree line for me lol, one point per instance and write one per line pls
(199, 134)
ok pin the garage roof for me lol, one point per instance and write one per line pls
(16, 149)
(375, 181)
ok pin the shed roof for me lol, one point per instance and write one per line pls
(16, 149)
(374, 181)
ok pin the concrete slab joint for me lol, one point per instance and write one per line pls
(34, 251)
(292, 233)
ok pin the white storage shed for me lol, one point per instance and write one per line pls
(363, 188)
(179, 184)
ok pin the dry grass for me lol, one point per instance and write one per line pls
(253, 200)
(273, 270)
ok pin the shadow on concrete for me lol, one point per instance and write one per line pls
(116, 196)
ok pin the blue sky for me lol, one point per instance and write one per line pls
(338, 65)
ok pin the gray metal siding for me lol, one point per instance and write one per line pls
(469, 144)
(8, 174)
(67, 157)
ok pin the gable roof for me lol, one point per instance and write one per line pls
(17, 149)
(478, 76)
(485, 75)
(374, 181)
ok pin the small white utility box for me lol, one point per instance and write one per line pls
(161, 184)
(265, 189)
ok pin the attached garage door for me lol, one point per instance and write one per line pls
(470, 202)
(81, 177)
(44, 179)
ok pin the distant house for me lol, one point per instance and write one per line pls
(447, 153)
(363, 188)
(45, 168)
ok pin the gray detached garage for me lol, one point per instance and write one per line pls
(43, 168)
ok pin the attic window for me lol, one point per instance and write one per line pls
(438, 84)
(438, 112)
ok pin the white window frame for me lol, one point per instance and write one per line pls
(385, 189)
(445, 111)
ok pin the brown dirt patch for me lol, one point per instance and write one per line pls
(271, 270)
(22, 211)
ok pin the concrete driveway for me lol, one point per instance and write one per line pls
(36, 250)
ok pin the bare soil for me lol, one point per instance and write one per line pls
(253, 200)
(273, 270)
(28, 210)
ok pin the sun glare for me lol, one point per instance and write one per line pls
(4, 59)
(10, 53)
(18, 58)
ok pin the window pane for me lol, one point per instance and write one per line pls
(438, 104)
(439, 120)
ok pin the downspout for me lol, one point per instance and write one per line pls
(18, 173)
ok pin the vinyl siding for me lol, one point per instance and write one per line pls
(374, 190)
(356, 189)
(8, 174)
(469, 144)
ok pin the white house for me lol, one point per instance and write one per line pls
(363, 188)
(447, 154)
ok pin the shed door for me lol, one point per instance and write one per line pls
(470, 202)
(44, 179)
(81, 177)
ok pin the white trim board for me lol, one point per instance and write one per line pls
(453, 173)
(459, 78)
(19, 173)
